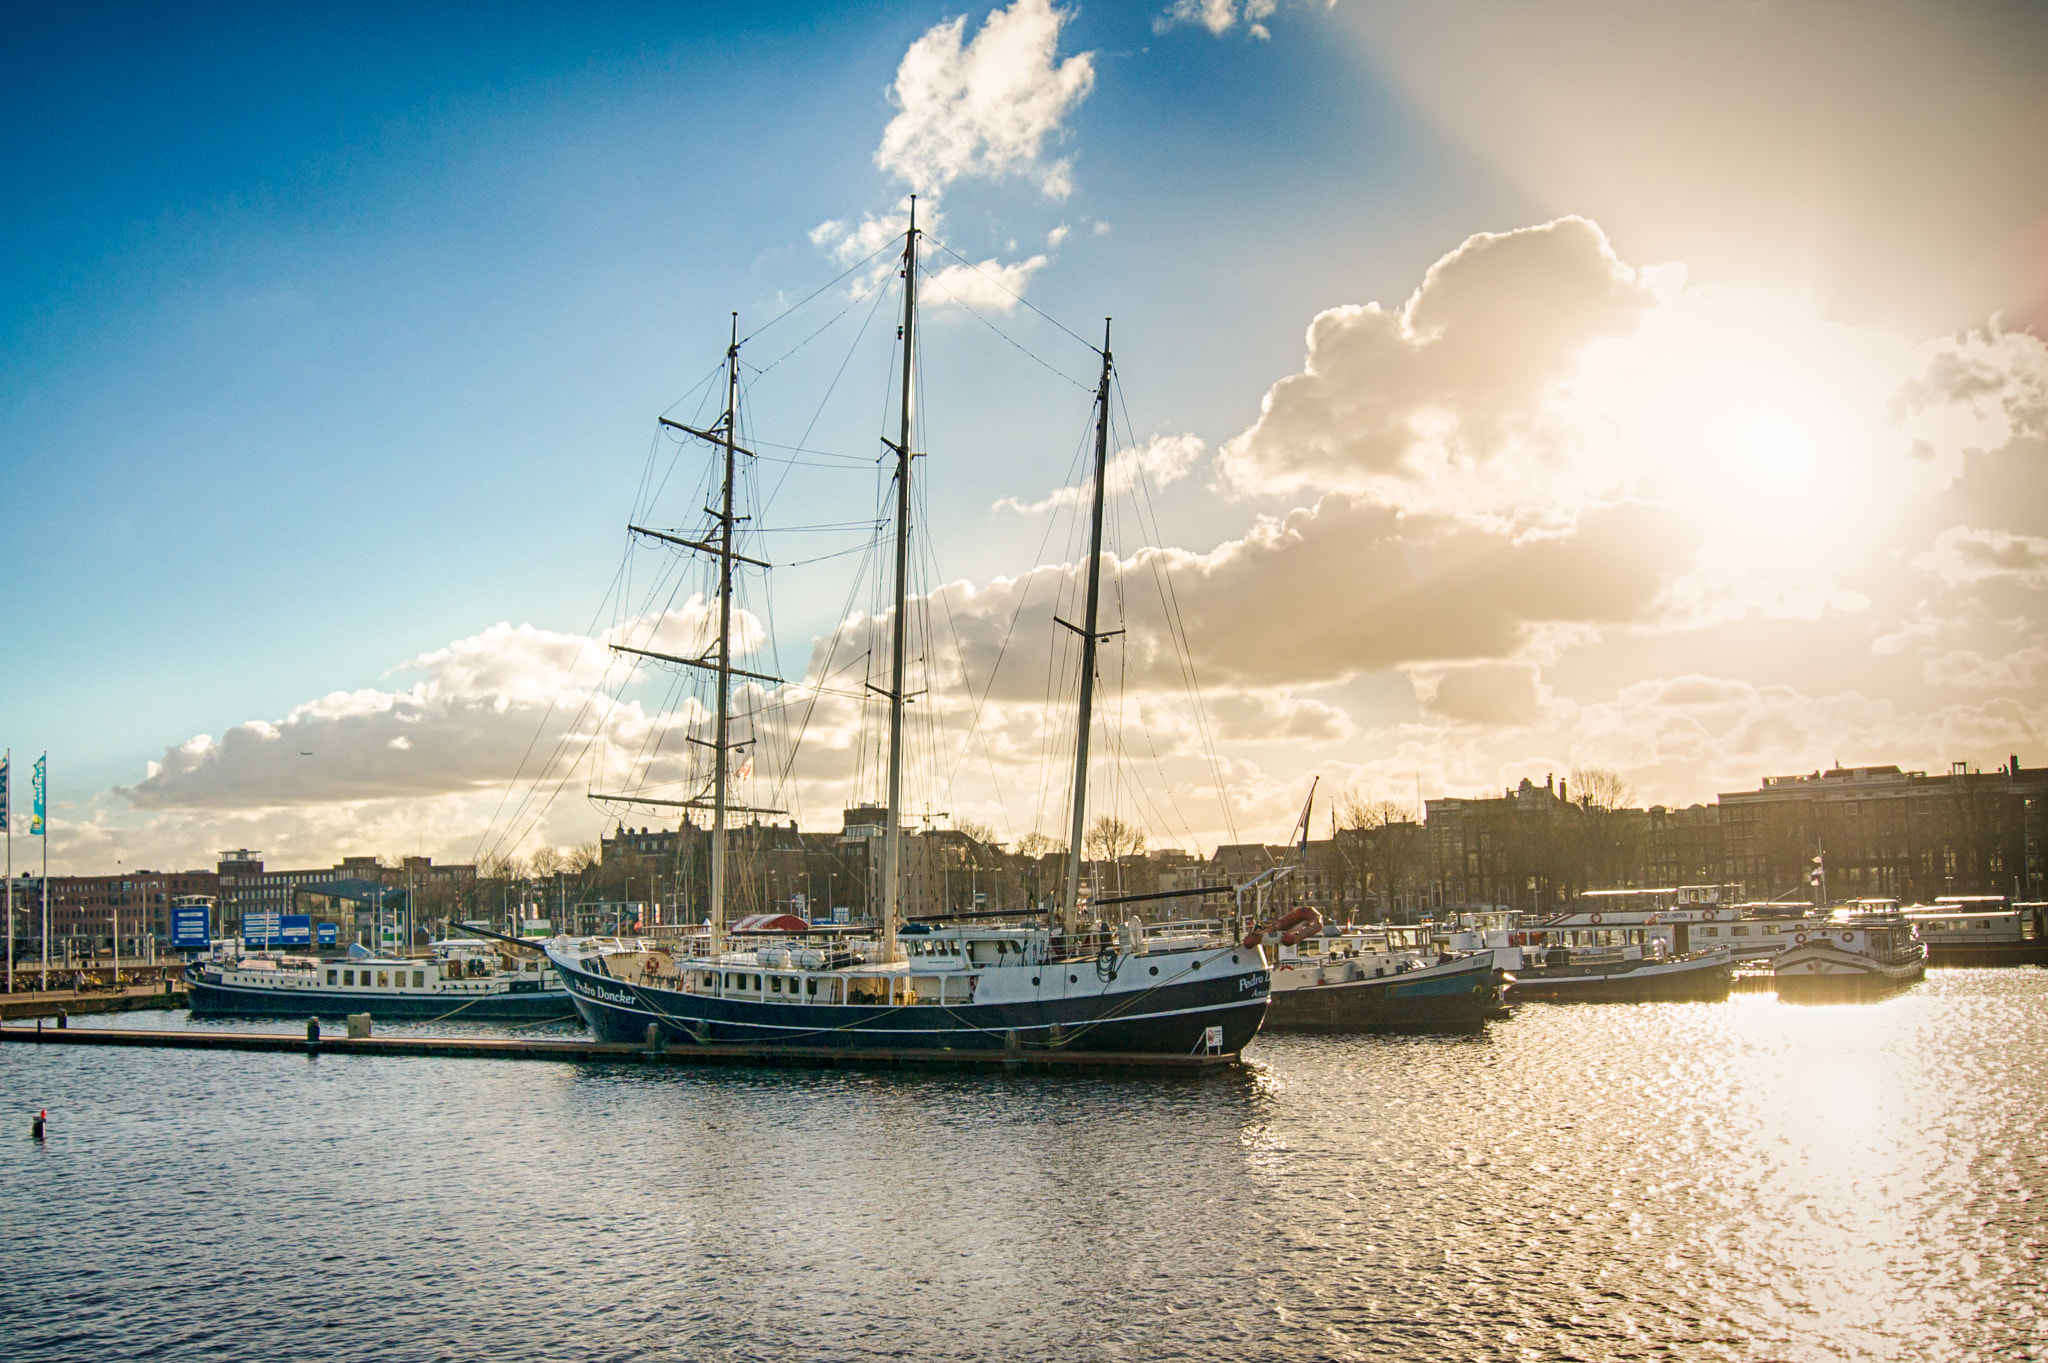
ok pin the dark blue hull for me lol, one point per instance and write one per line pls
(539, 1005)
(1171, 1020)
(1460, 997)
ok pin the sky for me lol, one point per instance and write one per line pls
(1504, 387)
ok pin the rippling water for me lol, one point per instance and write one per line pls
(1739, 1180)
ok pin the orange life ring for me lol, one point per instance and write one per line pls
(1596, 918)
(1295, 927)
(1710, 914)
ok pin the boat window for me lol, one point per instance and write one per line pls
(383, 979)
(348, 977)
(775, 984)
(757, 984)
(811, 987)
(710, 980)
(419, 979)
(330, 977)
(1738, 932)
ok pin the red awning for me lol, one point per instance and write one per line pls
(771, 922)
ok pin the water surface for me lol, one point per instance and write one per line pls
(1745, 1180)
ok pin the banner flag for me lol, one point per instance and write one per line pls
(36, 812)
(4, 763)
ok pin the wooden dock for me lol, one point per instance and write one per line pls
(50, 1002)
(522, 1048)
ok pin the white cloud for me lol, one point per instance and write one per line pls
(985, 108)
(1962, 557)
(990, 286)
(1218, 16)
(1162, 461)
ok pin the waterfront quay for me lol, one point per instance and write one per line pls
(168, 992)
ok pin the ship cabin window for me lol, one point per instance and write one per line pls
(330, 977)
(710, 979)
(1738, 932)
(1710, 932)
(757, 984)
(419, 979)
(1770, 929)
(383, 979)
(811, 988)
(775, 984)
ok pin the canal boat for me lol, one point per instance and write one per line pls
(1866, 949)
(1056, 985)
(1623, 974)
(464, 979)
(1386, 980)
(1981, 930)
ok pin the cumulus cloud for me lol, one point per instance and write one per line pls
(1161, 461)
(1482, 693)
(987, 107)
(1963, 557)
(1452, 383)
(1218, 16)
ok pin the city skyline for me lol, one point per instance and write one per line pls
(1684, 417)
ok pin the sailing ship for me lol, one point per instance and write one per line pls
(1057, 986)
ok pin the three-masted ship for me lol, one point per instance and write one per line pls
(1057, 985)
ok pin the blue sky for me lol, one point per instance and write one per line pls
(332, 339)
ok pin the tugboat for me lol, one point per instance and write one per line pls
(1867, 950)
(465, 979)
(1058, 987)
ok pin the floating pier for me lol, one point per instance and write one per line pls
(50, 1002)
(520, 1048)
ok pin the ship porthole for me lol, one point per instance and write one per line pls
(1073, 979)
(1034, 980)
(1155, 970)
(1233, 960)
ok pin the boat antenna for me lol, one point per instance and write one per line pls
(892, 834)
(720, 750)
(1070, 907)
(1301, 828)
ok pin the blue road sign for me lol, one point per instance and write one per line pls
(191, 927)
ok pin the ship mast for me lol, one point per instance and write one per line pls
(892, 833)
(719, 751)
(1070, 906)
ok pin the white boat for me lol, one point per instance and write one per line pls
(1389, 978)
(1864, 950)
(464, 979)
(1980, 930)
(1060, 986)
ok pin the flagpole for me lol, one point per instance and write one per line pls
(7, 818)
(43, 807)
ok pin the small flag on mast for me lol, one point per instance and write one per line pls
(4, 763)
(36, 812)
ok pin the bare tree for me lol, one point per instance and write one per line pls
(1036, 844)
(1112, 839)
(584, 858)
(546, 861)
(1601, 788)
(977, 830)
(1357, 810)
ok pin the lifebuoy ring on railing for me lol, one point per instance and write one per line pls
(1710, 914)
(1596, 918)
(1295, 926)
(1848, 936)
